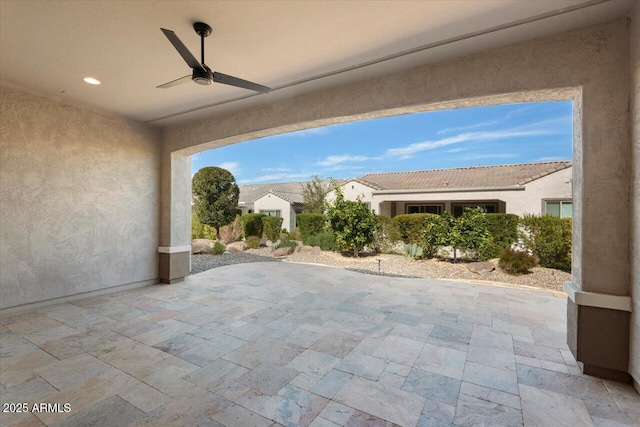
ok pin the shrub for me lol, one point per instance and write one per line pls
(352, 222)
(468, 232)
(217, 249)
(503, 229)
(410, 227)
(516, 262)
(309, 224)
(288, 244)
(201, 231)
(326, 240)
(232, 232)
(253, 242)
(435, 235)
(271, 227)
(549, 238)
(252, 225)
(386, 234)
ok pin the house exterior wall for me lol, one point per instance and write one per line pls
(273, 202)
(80, 195)
(634, 359)
(522, 201)
(352, 190)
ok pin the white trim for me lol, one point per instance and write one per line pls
(593, 299)
(59, 300)
(173, 249)
(450, 190)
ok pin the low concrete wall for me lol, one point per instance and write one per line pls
(80, 196)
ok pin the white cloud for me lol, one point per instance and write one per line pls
(233, 167)
(276, 177)
(489, 156)
(275, 170)
(551, 159)
(409, 150)
(474, 126)
(335, 160)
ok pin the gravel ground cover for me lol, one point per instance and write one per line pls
(390, 265)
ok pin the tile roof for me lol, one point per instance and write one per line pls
(289, 191)
(470, 177)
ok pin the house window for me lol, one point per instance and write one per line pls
(431, 209)
(559, 208)
(270, 212)
(458, 208)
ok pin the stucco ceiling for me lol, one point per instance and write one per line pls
(50, 46)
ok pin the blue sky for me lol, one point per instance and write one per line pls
(503, 134)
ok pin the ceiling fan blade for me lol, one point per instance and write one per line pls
(234, 81)
(182, 49)
(176, 82)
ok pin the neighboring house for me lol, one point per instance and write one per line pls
(529, 188)
(533, 188)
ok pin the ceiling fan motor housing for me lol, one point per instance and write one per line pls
(202, 77)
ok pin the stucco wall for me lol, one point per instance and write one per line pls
(634, 361)
(352, 190)
(79, 199)
(272, 202)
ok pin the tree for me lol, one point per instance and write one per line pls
(353, 223)
(469, 231)
(215, 196)
(314, 193)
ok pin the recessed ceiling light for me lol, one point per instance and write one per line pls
(92, 81)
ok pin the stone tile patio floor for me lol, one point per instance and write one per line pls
(290, 344)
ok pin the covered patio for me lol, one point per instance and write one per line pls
(290, 344)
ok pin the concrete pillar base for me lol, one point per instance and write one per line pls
(174, 267)
(598, 333)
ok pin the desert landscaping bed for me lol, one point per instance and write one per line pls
(390, 265)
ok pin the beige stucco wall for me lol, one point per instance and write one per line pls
(272, 202)
(79, 199)
(634, 360)
(528, 201)
(352, 190)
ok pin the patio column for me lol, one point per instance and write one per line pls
(599, 303)
(175, 217)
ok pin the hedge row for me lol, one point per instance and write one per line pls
(309, 224)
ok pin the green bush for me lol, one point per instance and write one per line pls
(288, 244)
(309, 224)
(411, 227)
(252, 225)
(549, 238)
(353, 224)
(386, 234)
(271, 227)
(253, 242)
(201, 231)
(217, 249)
(435, 235)
(326, 240)
(516, 262)
(503, 229)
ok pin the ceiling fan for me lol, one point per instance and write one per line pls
(202, 74)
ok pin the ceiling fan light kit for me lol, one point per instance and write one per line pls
(201, 73)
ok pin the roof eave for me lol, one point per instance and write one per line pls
(451, 190)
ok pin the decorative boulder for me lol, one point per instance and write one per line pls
(305, 248)
(482, 268)
(237, 247)
(280, 252)
(200, 247)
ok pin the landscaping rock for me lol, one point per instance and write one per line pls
(481, 268)
(237, 247)
(282, 252)
(316, 250)
(305, 248)
(201, 247)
